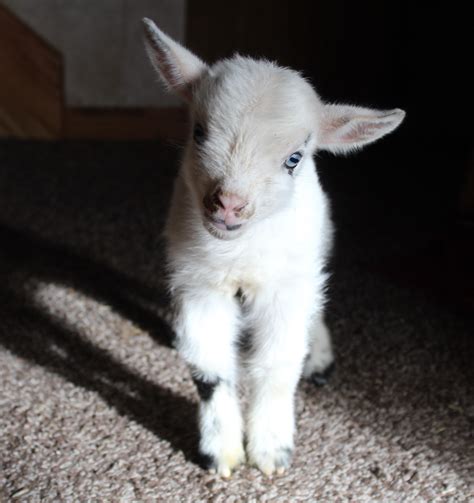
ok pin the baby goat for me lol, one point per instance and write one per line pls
(248, 237)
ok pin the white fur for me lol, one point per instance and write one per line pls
(254, 116)
(321, 357)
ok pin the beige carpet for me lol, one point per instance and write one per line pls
(95, 405)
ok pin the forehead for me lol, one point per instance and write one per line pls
(257, 101)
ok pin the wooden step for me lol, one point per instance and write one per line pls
(32, 101)
(31, 82)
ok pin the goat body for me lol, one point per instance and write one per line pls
(248, 237)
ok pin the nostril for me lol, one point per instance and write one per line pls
(225, 201)
(217, 199)
(240, 208)
(230, 202)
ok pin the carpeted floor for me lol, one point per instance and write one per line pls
(96, 405)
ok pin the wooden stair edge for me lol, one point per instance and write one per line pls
(125, 123)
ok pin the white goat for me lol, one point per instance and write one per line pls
(248, 236)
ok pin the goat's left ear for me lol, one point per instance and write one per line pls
(177, 67)
(344, 127)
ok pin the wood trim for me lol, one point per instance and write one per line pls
(125, 124)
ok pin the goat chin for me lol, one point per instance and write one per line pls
(256, 128)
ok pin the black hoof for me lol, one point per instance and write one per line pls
(322, 378)
(205, 461)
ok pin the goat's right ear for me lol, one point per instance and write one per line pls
(177, 67)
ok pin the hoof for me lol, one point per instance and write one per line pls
(275, 463)
(322, 378)
(222, 467)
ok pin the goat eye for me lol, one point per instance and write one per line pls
(198, 134)
(293, 160)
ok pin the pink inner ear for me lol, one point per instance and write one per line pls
(337, 122)
(360, 131)
(347, 126)
(162, 56)
(171, 73)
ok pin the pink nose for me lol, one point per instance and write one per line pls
(224, 209)
(229, 202)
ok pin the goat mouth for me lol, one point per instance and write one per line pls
(220, 224)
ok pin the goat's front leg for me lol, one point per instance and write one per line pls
(280, 320)
(206, 328)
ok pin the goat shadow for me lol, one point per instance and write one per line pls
(89, 216)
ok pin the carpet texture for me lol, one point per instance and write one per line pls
(95, 405)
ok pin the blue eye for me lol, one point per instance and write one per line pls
(293, 160)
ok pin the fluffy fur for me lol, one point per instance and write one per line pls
(265, 273)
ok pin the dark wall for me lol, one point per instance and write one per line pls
(376, 53)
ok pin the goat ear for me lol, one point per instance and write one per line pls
(344, 127)
(177, 66)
